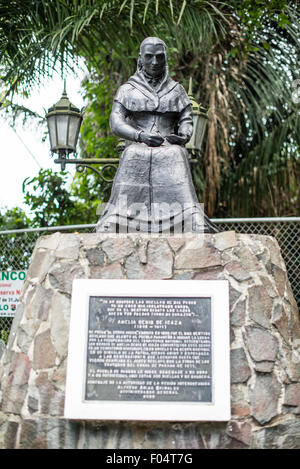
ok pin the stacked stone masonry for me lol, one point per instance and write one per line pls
(265, 341)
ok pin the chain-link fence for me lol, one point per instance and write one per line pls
(285, 230)
(16, 247)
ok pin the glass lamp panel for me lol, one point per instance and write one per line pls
(62, 128)
(195, 130)
(74, 125)
(52, 132)
(191, 143)
(200, 131)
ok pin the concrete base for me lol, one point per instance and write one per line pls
(265, 341)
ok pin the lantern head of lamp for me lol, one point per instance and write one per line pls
(64, 121)
(200, 118)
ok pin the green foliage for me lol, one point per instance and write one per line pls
(3, 334)
(96, 138)
(242, 55)
(251, 12)
(39, 36)
(88, 192)
(51, 201)
(14, 255)
(13, 219)
(48, 199)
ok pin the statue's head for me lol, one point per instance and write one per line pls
(152, 56)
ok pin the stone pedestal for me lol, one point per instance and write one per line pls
(265, 341)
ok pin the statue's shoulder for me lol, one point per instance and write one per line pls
(180, 89)
(123, 93)
(173, 97)
(135, 96)
(174, 87)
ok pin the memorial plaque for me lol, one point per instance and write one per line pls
(159, 354)
(149, 349)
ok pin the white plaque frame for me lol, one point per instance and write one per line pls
(78, 408)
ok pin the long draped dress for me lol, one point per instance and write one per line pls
(153, 189)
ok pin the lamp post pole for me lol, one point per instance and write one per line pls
(200, 119)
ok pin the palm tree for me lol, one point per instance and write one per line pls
(242, 57)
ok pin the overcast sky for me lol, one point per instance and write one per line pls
(22, 151)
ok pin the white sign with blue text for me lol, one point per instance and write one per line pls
(11, 284)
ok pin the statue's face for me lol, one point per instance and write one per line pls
(154, 59)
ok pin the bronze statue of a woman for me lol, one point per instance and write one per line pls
(153, 189)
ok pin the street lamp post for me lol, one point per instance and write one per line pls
(200, 119)
(64, 121)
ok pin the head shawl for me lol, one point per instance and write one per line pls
(149, 98)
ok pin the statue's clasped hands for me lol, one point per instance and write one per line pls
(155, 140)
(177, 139)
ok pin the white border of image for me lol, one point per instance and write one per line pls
(78, 408)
